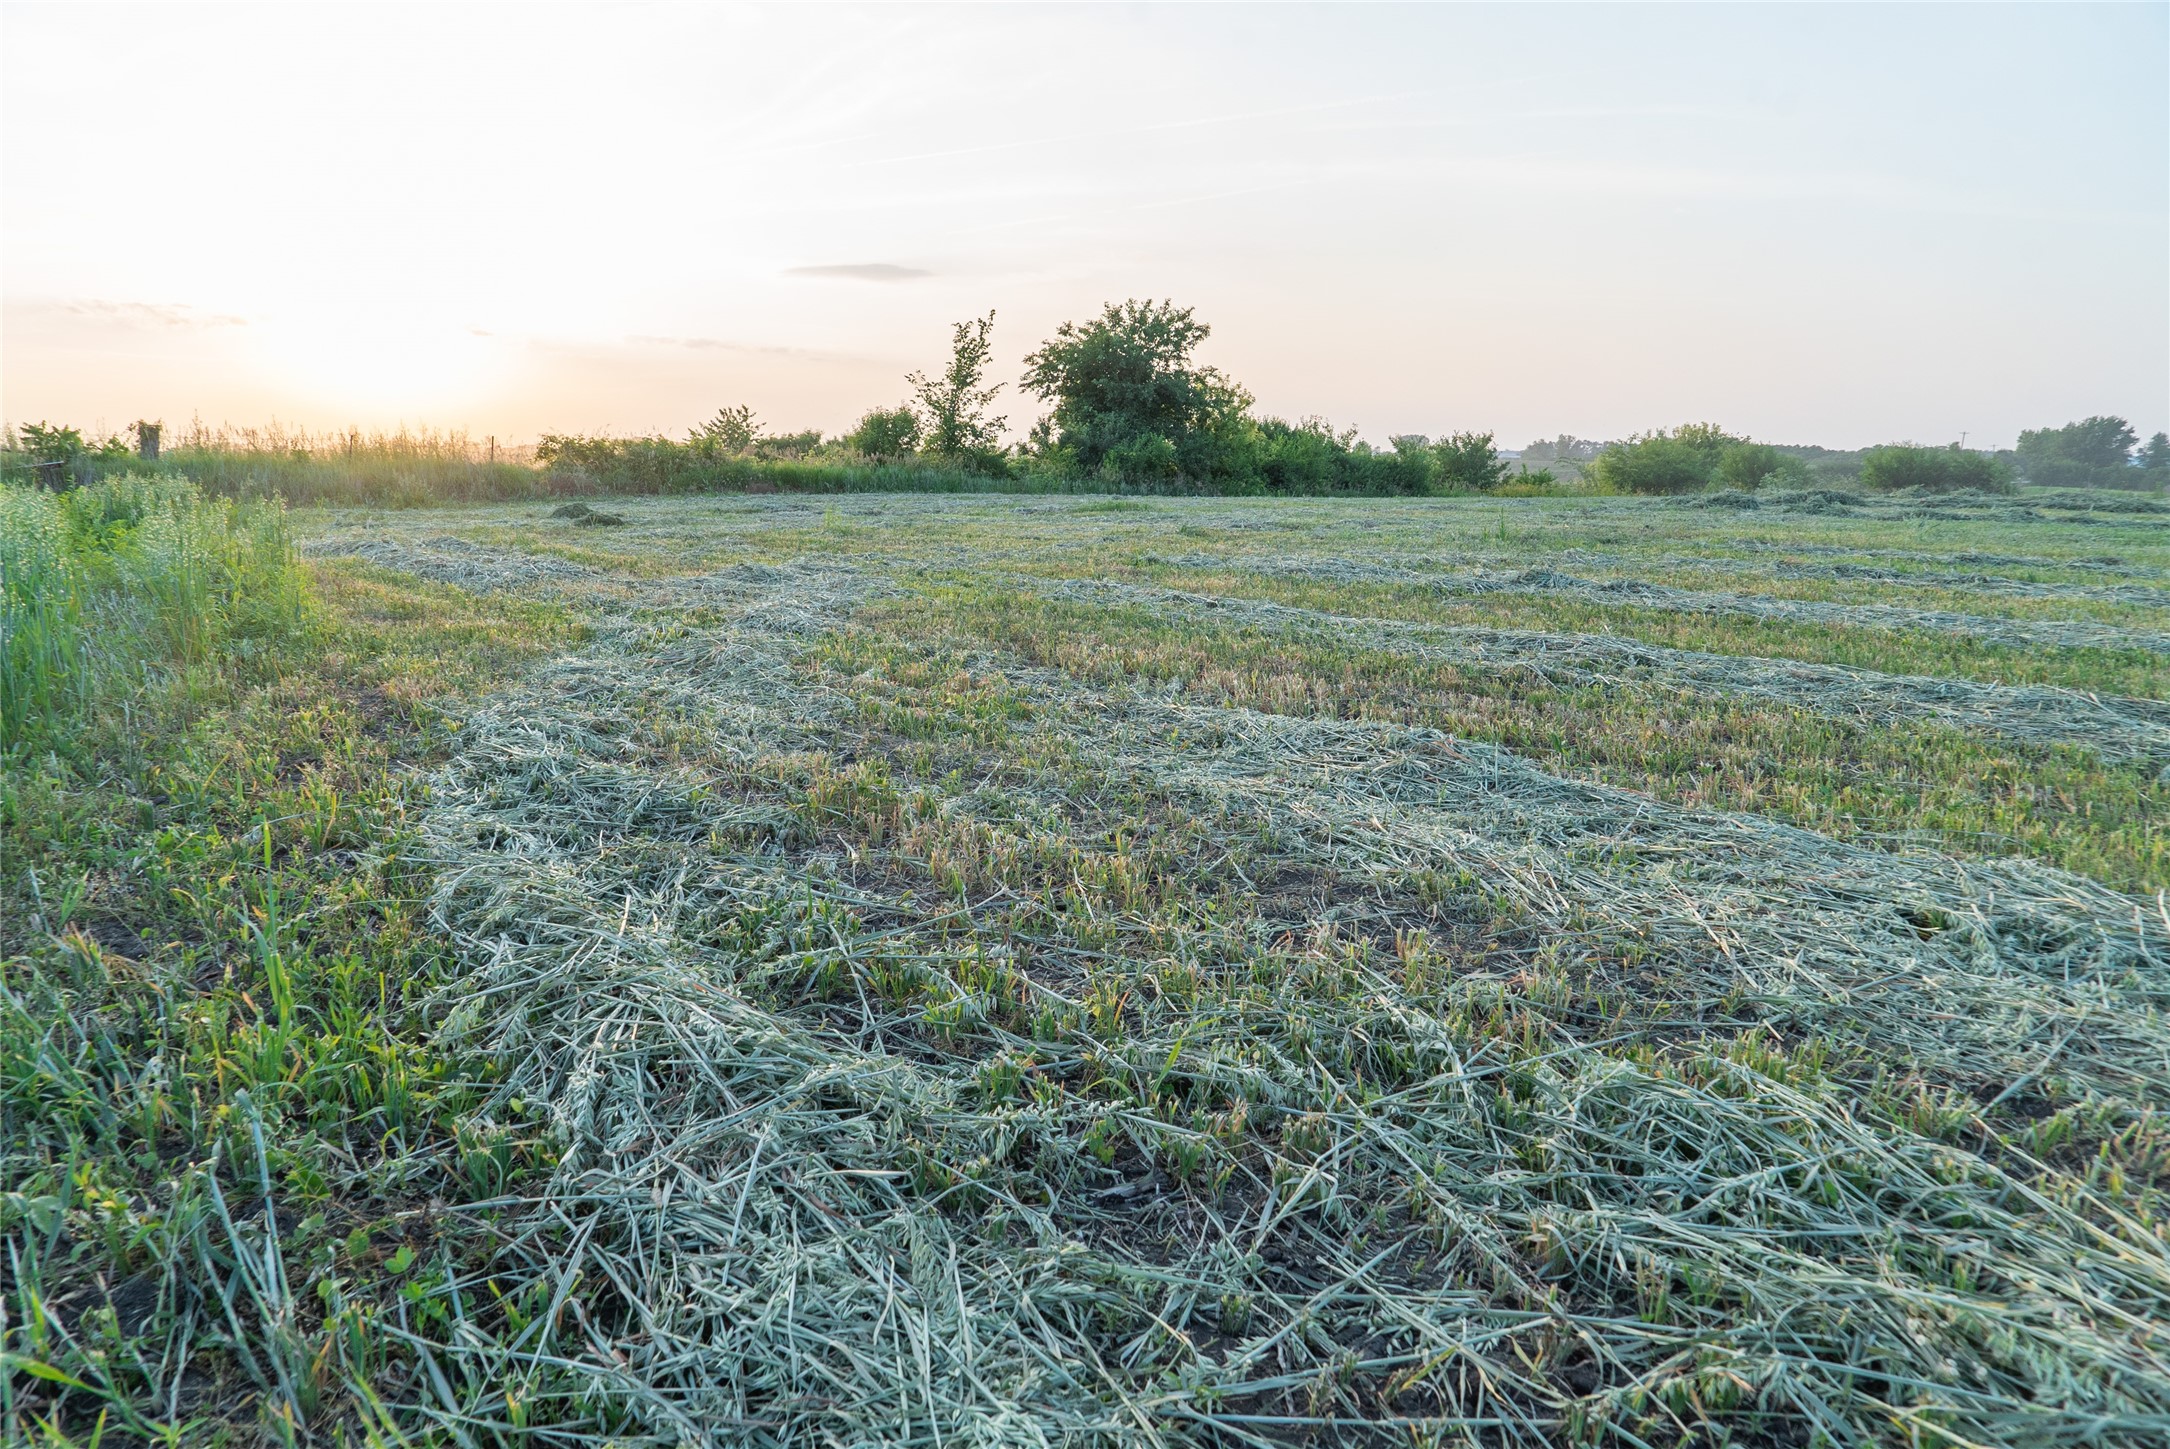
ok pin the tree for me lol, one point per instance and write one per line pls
(1746, 465)
(2091, 453)
(730, 432)
(953, 405)
(1682, 461)
(1128, 376)
(51, 443)
(1468, 463)
(884, 433)
(1936, 470)
(2155, 457)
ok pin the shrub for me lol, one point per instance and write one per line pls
(1147, 458)
(1529, 483)
(884, 433)
(1936, 470)
(790, 445)
(1655, 463)
(1468, 463)
(1746, 465)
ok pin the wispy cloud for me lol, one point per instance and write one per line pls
(718, 344)
(861, 272)
(141, 314)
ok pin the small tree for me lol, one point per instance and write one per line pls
(731, 432)
(1468, 463)
(953, 405)
(884, 433)
(51, 443)
(1745, 465)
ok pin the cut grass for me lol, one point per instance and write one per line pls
(827, 990)
(1905, 782)
(1885, 649)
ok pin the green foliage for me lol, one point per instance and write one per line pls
(2093, 453)
(50, 443)
(1746, 465)
(732, 432)
(103, 587)
(1128, 376)
(1707, 437)
(1565, 448)
(1937, 470)
(801, 444)
(2155, 457)
(1469, 463)
(1690, 458)
(884, 433)
(1528, 482)
(955, 426)
(1655, 463)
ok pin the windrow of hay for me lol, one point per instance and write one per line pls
(2075, 506)
(443, 559)
(2016, 633)
(1966, 558)
(2116, 728)
(841, 1163)
(1419, 568)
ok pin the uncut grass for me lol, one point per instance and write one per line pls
(219, 1122)
(1903, 783)
(1194, 1176)
(107, 590)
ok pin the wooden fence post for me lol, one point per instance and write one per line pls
(147, 442)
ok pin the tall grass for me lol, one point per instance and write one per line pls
(417, 468)
(103, 588)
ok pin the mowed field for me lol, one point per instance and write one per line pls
(1039, 971)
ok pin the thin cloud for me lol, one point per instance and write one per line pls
(861, 272)
(143, 314)
(716, 344)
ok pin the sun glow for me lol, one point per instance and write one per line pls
(381, 364)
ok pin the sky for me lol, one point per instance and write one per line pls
(1833, 224)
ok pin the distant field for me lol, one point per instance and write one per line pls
(964, 970)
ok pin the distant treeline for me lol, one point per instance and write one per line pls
(1129, 409)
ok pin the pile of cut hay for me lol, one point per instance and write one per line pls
(838, 1165)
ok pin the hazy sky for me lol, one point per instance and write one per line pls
(1825, 223)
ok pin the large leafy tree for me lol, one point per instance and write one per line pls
(2093, 451)
(1126, 390)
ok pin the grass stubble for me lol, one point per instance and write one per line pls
(850, 1010)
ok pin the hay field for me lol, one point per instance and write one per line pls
(999, 971)
(1058, 971)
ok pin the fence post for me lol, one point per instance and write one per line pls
(147, 442)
